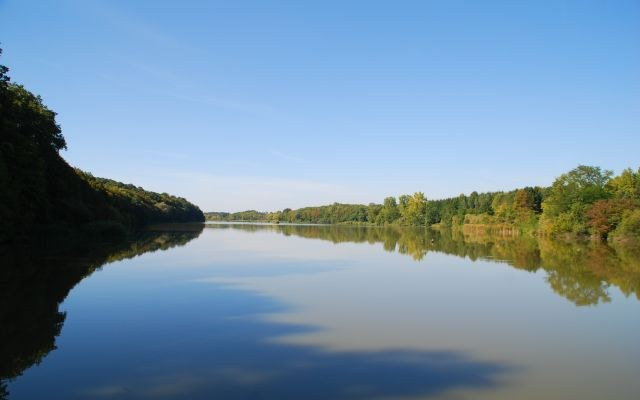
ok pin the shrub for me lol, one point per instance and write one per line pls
(629, 226)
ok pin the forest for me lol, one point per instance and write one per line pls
(584, 202)
(43, 195)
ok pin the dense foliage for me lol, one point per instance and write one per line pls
(584, 201)
(40, 191)
(245, 216)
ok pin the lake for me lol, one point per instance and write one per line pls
(240, 311)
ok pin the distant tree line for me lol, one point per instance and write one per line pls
(42, 193)
(583, 201)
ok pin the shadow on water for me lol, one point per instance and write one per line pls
(580, 272)
(221, 348)
(215, 345)
(33, 284)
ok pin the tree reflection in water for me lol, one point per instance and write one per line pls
(234, 356)
(33, 284)
(579, 272)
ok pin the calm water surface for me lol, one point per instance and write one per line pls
(319, 312)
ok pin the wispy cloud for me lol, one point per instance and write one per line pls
(247, 107)
(181, 91)
(166, 83)
(135, 27)
(169, 83)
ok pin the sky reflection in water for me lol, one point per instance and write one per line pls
(264, 312)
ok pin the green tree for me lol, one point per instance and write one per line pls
(40, 191)
(414, 213)
(502, 205)
(629, 227)
(390, 212)
(626, 185)
(564, 209)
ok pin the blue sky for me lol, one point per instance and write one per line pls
(266, 105)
